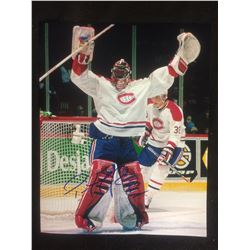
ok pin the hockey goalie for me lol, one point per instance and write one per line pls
(121, 114)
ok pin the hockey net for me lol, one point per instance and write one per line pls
(64, 164)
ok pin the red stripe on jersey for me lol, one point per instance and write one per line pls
(172, 72)
(175, 111)
(182, 66)
(172, 144)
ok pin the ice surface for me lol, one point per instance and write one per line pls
(170, 213)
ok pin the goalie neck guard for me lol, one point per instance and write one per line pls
(120, 74)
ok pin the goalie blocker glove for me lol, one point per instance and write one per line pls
(80, 38)
(166, 154)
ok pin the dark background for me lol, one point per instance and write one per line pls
(158, 24)
(156, 45)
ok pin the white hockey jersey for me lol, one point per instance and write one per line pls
(122, 113)
(167, 125)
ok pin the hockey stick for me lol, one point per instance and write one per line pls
(174, 169)
(74, 52)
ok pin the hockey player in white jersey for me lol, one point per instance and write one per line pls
(164, 136)
(120, 104)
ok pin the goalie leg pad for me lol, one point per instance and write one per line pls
(96, 198)
(84, 223)
(123, 211)
(133, 186)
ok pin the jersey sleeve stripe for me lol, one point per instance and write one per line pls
(172, 144)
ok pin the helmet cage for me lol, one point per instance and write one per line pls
(120, 70)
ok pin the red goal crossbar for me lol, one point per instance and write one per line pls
(68, 118)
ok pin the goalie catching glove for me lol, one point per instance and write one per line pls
(188, 51)
(166, 155)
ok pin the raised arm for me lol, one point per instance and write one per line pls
(163, 78)
(83, 78)
(86, 80)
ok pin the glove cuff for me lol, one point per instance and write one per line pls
(83, 59)
(177, 66)
(78, 65)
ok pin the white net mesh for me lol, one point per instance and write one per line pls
(64, 166)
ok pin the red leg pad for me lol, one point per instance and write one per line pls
(133, 185)
(84, 223)
(101, 178)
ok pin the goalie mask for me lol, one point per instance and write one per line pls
(120, 74)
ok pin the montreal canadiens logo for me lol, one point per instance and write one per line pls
(157, 123)
(126, 98)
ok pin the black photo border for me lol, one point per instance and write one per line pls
(138, 12)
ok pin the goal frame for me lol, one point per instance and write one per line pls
(46, 193)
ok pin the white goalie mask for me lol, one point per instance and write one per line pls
(120, 74)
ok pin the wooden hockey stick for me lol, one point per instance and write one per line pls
(174, 169)
(74, 52)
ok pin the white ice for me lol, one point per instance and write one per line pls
(170, 213)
